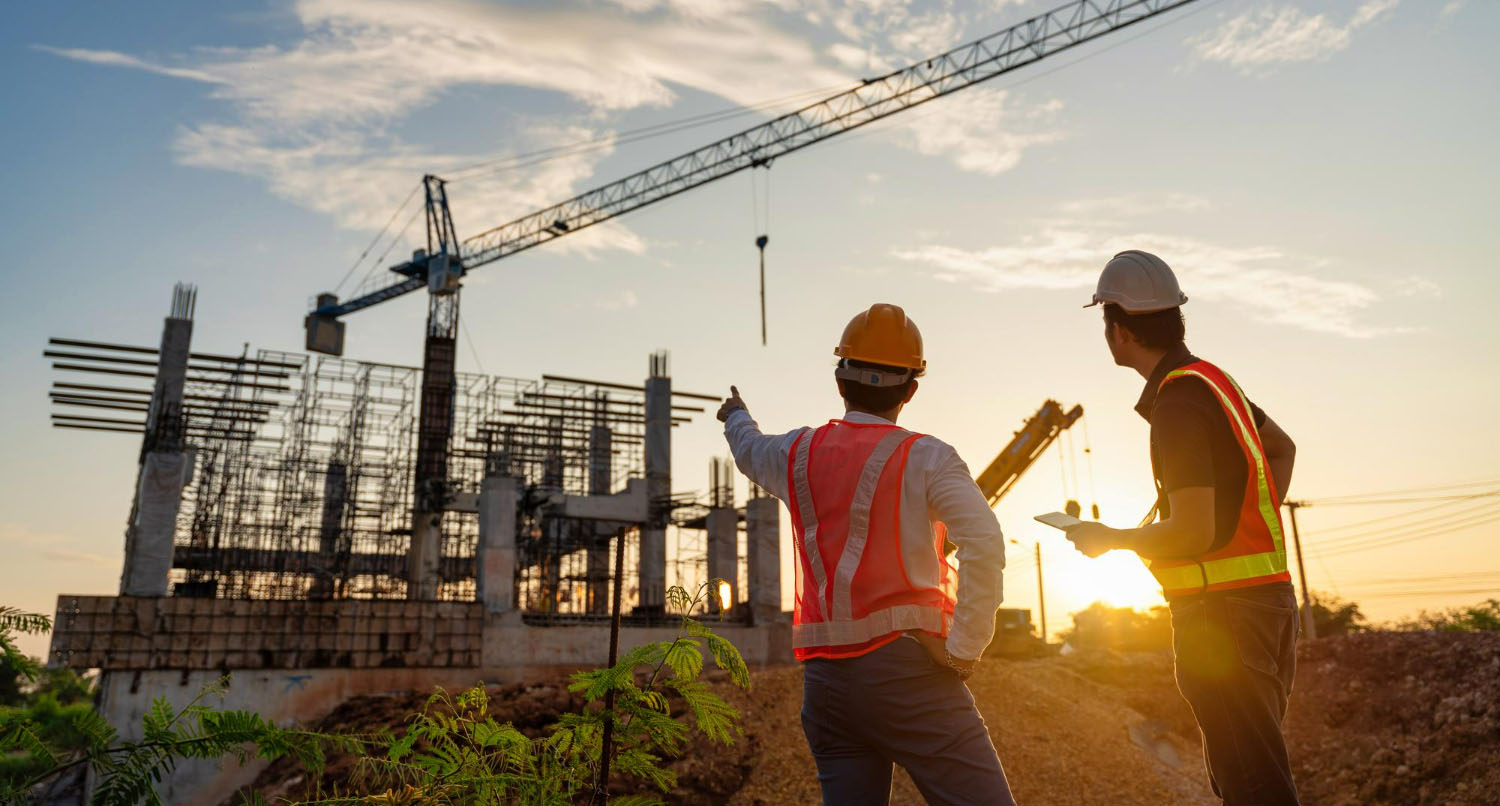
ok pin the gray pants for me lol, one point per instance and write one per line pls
(897, 705)
(1236, 655)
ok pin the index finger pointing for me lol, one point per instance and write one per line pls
(734, 390)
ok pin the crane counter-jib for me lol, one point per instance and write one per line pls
(1032, 40)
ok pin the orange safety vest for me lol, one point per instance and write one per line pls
(1256, 554)
(854, 594)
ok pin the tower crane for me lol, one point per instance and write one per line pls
(441, 266)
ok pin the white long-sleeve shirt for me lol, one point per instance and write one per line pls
(937, 487)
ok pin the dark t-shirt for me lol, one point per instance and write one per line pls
(1192, 444)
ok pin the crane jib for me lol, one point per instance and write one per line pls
(1062, 28)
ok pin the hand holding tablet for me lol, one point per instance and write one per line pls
(1059, 520)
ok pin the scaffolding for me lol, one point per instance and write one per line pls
(304, 467)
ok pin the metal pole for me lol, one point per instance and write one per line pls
(1041, 597)
(1309, 628)
(601, 788)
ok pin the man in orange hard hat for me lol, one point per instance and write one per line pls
(886, 629)
(1221, 468)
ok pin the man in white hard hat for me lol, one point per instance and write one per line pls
(1221, 468)
(886, 630)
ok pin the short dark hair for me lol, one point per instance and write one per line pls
(1158, 330)
(877, 398)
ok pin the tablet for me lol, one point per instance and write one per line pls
(1058, 520)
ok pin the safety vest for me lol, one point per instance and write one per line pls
(854, 591)
(1256, 554)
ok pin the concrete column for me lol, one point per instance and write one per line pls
(496, 560)
(653, 559)
(165, 467)
(763, 558)
(723, 554)
(148, 549)
(331, 527)
(425, 556)
(597, 570)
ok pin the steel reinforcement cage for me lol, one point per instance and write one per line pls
(303, 473)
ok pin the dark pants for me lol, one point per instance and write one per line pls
(1236, 656)
(897, 705)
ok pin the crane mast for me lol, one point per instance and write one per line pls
(441, 266)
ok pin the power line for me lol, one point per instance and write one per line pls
(1384, 501)
(1413, 594)
(1384, 519)
(1398, 528)
(1436, 578)
(1412, 491)
(1394, 541)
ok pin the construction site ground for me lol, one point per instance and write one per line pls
(1377, 718)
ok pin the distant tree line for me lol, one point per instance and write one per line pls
(1125, 629)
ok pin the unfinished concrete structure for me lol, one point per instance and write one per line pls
(276, 532)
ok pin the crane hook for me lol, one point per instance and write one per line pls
(760, 243)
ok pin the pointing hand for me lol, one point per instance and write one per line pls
(732, 403)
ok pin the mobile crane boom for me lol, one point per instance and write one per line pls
(1039, 432)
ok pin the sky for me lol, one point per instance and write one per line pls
(1321, 176)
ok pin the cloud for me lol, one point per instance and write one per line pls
(982, 130)
(1135, 203)
(1416, 286)
(1275, 35)
(1275, 286)
(340, 118)
(333, 120)
(618, 302)
(1451, 8)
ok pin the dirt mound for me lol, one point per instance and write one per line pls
(1379, 718)
(1398, 718)
(1065, 740)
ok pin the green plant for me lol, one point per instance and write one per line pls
(1335, 616)
(1482, 617)
(16, 669)
(47, 739)
(454, 753)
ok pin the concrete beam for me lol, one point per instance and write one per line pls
(629, 507)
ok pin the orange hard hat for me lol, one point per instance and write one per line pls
(882, 335)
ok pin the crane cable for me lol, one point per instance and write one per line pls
(378, 236)
(760, 214)
(1088, 457)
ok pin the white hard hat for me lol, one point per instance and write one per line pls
(1139, 282)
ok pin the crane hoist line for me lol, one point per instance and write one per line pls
(446, 259)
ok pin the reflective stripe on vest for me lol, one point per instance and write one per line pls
(859, 523)
(809, 515)
(876, 624)
(826, 624)
(1191, 576)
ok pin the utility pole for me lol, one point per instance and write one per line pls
(1309, 629)
(1041, 597)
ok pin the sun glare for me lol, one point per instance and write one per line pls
(1117, 578)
